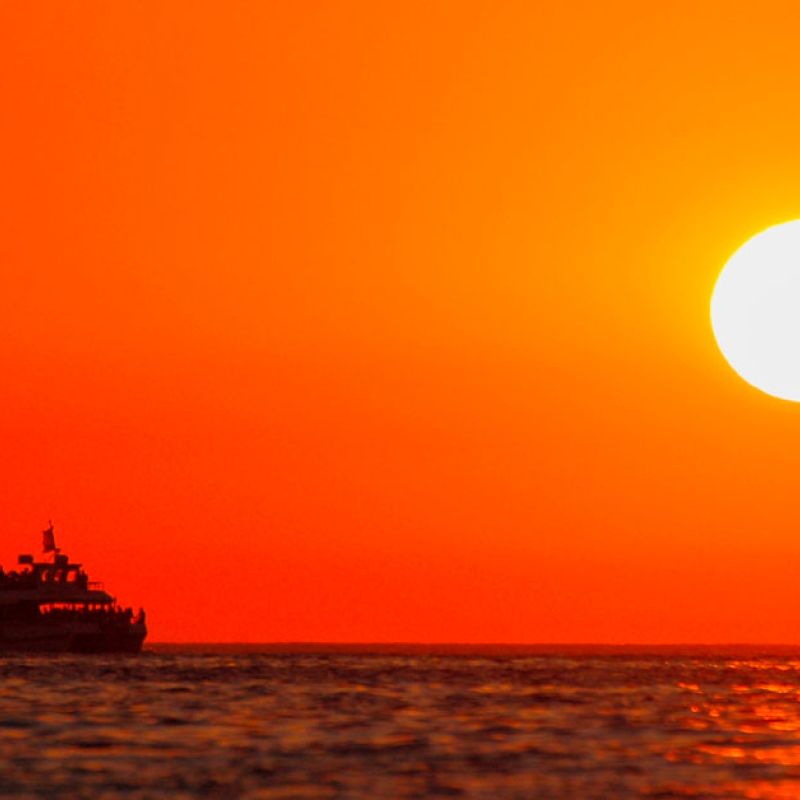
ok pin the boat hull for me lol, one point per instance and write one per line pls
(71, 639)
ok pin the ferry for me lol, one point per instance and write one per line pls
(50, 605)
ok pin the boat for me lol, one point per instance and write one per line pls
(50, 605)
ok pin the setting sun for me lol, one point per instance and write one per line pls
(755, 311)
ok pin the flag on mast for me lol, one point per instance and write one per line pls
(49, 540)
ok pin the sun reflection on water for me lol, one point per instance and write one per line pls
(742, 722)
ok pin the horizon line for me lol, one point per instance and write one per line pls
(404, 643)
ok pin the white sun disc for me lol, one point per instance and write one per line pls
(755, 311)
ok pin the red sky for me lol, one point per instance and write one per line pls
(380, 322)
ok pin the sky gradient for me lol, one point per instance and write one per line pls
(389, 322)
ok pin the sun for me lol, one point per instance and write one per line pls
(755, 311)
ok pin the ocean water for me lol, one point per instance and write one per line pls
(306, 722)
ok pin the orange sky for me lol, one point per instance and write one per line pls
(372, 321)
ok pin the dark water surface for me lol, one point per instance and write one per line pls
(404, 722)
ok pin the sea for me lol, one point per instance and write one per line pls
(403, 721)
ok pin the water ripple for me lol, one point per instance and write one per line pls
(319, 725)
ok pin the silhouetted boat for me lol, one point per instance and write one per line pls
(51, 606)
